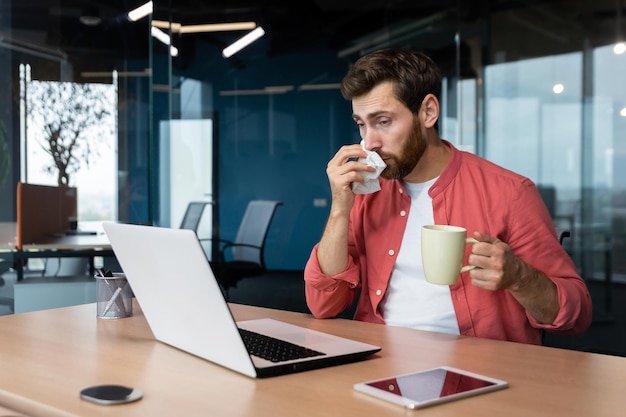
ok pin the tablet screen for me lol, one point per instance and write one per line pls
(420, 389)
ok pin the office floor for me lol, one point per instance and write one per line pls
(285, 290)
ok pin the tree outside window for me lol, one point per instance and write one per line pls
(71, 136)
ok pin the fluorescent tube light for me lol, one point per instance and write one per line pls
(311, 87)
(279, 89)
(242, 42)
(162, 24)
(218, 27)
(208, 27)
(160, 35)
(270, 90)
(140, 12)
(109, 74)
(165, 38)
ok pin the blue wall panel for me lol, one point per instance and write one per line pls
(277, 146)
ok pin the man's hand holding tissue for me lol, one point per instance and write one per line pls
(344, 170)
(371, 184)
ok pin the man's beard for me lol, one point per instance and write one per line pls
(400, 166)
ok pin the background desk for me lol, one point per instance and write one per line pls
(55, 246)
(46, 357)
(55, 289)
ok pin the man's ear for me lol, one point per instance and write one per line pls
(430, 107)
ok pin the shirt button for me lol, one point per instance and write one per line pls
(400, 190)
(391, 252)
(403, 213)
(378, 292)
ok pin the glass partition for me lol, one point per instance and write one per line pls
(56, 57)
(537, 88)
(183, 153)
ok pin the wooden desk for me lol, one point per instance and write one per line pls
(46, 357)
(5, 412)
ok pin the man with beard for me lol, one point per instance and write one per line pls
(523, 281)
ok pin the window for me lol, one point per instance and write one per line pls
(70, 139)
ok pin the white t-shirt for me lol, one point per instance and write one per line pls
(411, 301)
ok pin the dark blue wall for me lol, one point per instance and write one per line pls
(276, 147)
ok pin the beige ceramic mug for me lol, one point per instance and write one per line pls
(443, 247)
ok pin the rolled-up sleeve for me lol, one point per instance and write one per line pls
(327, 296)
(575, 308)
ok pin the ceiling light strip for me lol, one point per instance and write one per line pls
(242, 42)
(160, 35)
(275, 89)
(311, 87)
(141, 12)
(162, 24)
(109, 74)
(218, 27)
(204, 28)
(165, 38)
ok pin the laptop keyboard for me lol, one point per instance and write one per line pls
(274, 350)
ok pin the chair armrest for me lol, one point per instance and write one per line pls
(219, 243)
(225, 245)
(231, 246)
(214, 240)
(243, 245)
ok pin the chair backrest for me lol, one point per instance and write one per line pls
(562, 233)
(193, 215)
(548, 195)
(253, 231)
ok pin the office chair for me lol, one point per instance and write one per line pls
(548, 195)
(562, 233)
(4, 267)
(7, 301)
(193, 215)
(244, 257)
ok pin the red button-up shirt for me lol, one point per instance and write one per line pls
(480, 196)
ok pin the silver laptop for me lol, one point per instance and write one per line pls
(184, 306)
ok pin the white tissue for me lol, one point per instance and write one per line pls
(371, 184)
